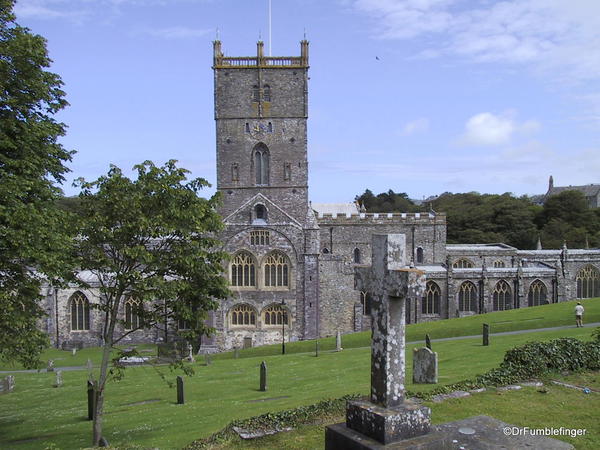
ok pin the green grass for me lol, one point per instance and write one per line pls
(36, 414)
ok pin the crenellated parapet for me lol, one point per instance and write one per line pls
(220, 61)
(382, 218)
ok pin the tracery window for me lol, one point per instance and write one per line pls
(276, 270)
(266, 93)
(243, 270)
(260, 237)
(431, 299)
(588, 282)
(502, 296)
(537, 294)
(499, 263)
(80, 312)
(133, 308)
(467, 297)
(242, 315)
(275, 315)
(356, 256)
(462, 263)
(261, 164)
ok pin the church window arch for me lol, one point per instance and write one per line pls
(356, 255)
(260, 212)
(365, 301)
(431, 300)
(502, 296)
(276, 270)
(275, 315)
(467, 297)
(133, 310)
(463, 263)
(243, 270)
(419, 255)
(255, 93)
(538, 294)
(80, 312)
(499, 263)
(588, 282)
(261, 164)
(266, 93)
(242, 316)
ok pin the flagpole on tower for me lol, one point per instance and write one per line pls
(270, 28)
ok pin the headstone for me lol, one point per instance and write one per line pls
(91, 395)
(50, 366)
(425, 366)
(427, 341)
(59, 380)
(236, 353)
(8, 384)
(338, 341)
(207, 359)
(180, 399)
(316, 348)
(486, 334)
(74, 351)
(263, 376)
(190, 356)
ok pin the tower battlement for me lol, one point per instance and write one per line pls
(382, 218)
(220, 61)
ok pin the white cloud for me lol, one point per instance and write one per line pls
(415, 126)
(487, 129)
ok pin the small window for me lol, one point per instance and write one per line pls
(499, 263)
(356, 256)
(287, 171)
(261, 164)
(267, 93)
(261, 212)
(235, 172)
(247, 127)
(255, 94)
(462, 263)
(419, 255)
(270, 127)
(259, 237)
(365, 301)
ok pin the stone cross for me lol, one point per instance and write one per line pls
(190, 357)
(390, 282)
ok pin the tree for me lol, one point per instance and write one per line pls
(33, 232)
(389, 201)
(150, 240)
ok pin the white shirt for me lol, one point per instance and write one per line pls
(579, 310)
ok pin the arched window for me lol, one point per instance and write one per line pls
(356, 256)
(275, 315)
(80, 312)
(243, 270)
(462, 263)
(133, 308)
(266, 93)
(467, 297)
(261, 164)
(242, 315)
(255, 94)
(270, 127)
(365, 300)
(499, 263)
(588, 282)
(276, 271)
(502, 296)
(261, 212)
(419, 255)
(431, 299)
(537, 294)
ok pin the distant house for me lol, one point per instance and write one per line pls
(591, 192)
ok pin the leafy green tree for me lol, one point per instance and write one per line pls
(389, 201)
(33, 232)
(152, 240)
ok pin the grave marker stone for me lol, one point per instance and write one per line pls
(263, 376)
(425, 366)
(236, 353)
(180, 398)
(486, 334)
(427, 341)
(338, 341)
(207, 359)
(91, 396)
(8, 384)
(190, 356)
(74, 351)
(50, 366)
(59, 381)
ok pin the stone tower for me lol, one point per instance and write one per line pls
(261, 111)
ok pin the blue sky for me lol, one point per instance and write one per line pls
(418, 96)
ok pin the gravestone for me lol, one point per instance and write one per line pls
(59, 380)
(180, 398)
(263, 376)
(207, 359)
(338, 341)
(236, 353)
(427, 341)
(486, 334)
(190, 356)
(50, 366)
(425, 366)
(8, 384)
(74, 351)
(91, 396)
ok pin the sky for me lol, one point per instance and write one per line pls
(417, 96)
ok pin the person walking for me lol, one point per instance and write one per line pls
(579, 315)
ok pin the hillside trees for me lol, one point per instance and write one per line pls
(389, 201)
(33, 233)
(149, 242)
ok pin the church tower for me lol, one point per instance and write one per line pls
(261, 110)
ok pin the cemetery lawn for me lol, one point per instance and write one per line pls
(141, 409)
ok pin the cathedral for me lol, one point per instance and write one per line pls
(291, 271)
